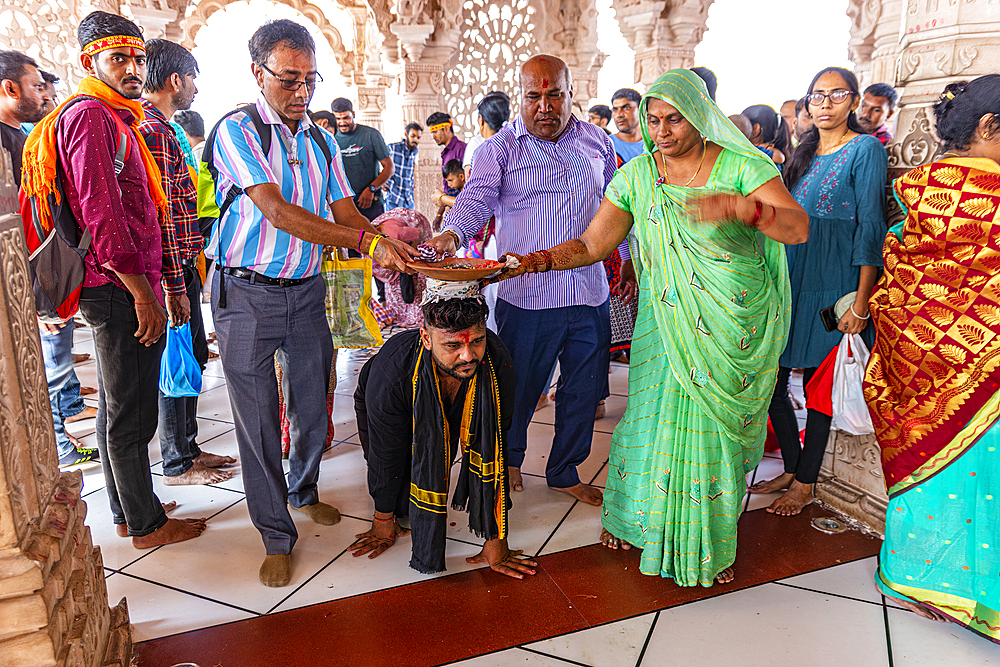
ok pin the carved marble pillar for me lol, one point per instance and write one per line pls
(942, 41)
(663, 33)
(153, 18)
(570, 32)
(53, 599)
(371, 104)
(851, 479)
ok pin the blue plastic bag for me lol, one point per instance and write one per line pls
(180, 374)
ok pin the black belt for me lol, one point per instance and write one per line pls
(254, 277)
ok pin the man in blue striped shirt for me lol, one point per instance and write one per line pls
(267, 298)
(399, 189)
(543, 177)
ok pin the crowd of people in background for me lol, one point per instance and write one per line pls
(696, 247)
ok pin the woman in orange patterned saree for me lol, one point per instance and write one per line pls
(933, 382)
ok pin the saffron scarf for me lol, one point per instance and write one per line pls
(936, 311)
(482, 479)
(41, 157)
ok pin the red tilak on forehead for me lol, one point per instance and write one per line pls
(131, 53)
(545, 83)
(463, 336)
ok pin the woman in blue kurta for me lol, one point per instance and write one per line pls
(838, 176)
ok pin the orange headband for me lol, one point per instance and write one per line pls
(440, 126)
(113, 42)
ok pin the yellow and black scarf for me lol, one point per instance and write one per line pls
(482, 481)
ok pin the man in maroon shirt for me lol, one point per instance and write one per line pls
(121, 297)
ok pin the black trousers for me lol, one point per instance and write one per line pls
(803, 460)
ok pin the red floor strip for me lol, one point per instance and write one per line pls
(471, 613)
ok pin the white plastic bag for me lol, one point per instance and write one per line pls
(850, 412)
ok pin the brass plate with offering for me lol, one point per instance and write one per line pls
(457, 268)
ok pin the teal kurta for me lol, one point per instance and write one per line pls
(844, 195)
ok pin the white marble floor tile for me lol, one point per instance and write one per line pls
(343, 481)
(540, 444)
(618, 379)
(157, 611)
(223, 563)
(768, 468)
(608, 645)
(919, 642)
(535, 513)
(853, 580)
(513, 657)
(580, 528)
(348, 575)
(770, 625)
(214, 404)
(192, 502)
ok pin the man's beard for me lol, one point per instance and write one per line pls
(114, 85)
(182, 101)
(866, 125)
(28, 112)
(452, 372)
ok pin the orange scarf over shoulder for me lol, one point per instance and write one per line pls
(936, 310)
(40, 158)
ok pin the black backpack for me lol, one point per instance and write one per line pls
(209, 212)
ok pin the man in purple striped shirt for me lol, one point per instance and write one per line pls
(543, 177)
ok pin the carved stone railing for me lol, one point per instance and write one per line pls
(851, 479)
(53, 598)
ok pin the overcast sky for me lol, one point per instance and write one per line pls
(763, 52)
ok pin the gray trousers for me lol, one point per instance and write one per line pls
(258, 322)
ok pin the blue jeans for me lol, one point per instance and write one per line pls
(178, 420)
(64, 386)
(579, 336)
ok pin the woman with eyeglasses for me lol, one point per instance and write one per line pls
(837, 174)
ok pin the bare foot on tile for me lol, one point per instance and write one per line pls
(198, 474)
(516, 481)
(779, 483)
(121, 529)
(173, 531)
(793, 501)
(921, 610)
(726, 576)
(584, 493)
(214, 460)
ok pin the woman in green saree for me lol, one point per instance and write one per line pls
(709, 213)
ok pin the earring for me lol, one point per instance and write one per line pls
(986, 135)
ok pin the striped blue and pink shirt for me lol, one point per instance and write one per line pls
(243, 237)
(542, 194)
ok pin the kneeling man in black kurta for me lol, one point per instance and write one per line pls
(427, 397)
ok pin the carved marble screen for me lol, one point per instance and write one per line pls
(498, 37)
(46, 31)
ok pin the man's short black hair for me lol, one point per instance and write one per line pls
(601, 111)
(49, 77)
(341, 105)
(883, 90)
(282, 31)
(413, 126)
(164, 59)
(455, 314)
(14, 64)
(630, 94)
(708, 76)
(323, 114)
(438, 117)
(453, 167)
(98, 25)
(192, 122)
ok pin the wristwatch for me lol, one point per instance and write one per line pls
(373, 189)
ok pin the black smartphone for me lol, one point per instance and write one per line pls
(830, 321)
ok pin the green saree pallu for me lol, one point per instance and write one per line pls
(714, 304)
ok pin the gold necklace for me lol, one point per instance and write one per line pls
(704, 150)
(842, 137)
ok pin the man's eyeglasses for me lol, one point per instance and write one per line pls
(294, 84)
(816, 99)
